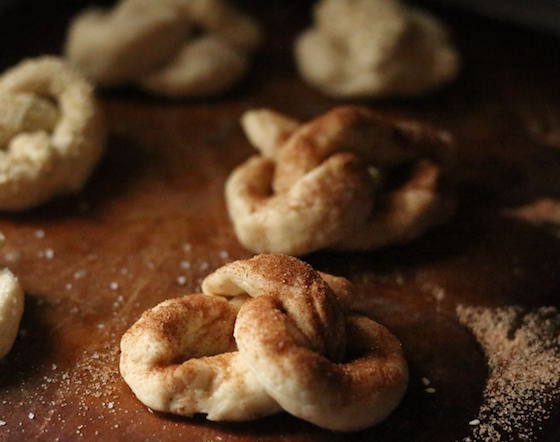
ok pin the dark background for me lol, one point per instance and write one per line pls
(33, 27)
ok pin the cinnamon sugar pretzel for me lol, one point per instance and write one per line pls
(51, 132)
(331, 182)
(280, 343)
(175, 48)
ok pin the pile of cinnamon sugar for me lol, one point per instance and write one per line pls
(523, 352)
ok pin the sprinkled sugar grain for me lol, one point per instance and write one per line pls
(523, 352)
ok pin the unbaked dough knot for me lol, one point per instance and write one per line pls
(174, 48)
(51, 132)
(11, 308)
(374, 48)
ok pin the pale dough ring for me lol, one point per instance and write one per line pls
(301, 290)
(52, 132)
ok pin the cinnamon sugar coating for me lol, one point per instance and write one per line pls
(280, 343)
(337, 182)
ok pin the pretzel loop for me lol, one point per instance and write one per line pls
(341, 396)
(180, 357)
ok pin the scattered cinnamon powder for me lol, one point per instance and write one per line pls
(523, 351)
(94, 376)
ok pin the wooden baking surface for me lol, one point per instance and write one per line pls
(157, 200)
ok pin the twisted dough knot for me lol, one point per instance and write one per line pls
(51, 132)
(375, 48)
(295, 349)
(347, 180)
(11, 308)
(175, 48)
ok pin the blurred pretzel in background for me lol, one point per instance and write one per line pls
(52, 132)
(270, 334)
(174, 48)
(375, 48)
(348, 180)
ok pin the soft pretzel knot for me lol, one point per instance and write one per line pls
(51, 132)
(375, 48)
(175, 48)
(348, 180)
(269, 334)
(11, 308)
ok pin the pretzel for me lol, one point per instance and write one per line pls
(297, 319)
(158, 45)
(11, 308)
(51, 132)
(328, 183)
(375, 48)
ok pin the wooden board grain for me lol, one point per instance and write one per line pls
(154, 212)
